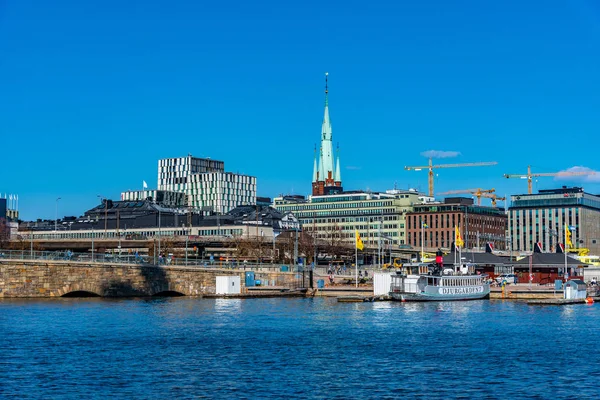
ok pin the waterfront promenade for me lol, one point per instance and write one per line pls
(69, 276)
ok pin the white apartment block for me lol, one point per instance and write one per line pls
(205, 183)
(163, 197)
(174, 173)
(221, 191)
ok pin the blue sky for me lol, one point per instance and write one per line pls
(93, 93)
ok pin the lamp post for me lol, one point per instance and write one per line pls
(105, 213)
(379, 245)
(315, 240)
(56, 215)
(295, 248)
(186, 247)
(422, 240)
(159, 234)
(93, 243)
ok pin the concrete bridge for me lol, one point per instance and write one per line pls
(40, 278)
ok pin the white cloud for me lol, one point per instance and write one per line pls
(587, 174)
(440, 154)
(352, 167)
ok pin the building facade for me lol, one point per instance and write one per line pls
(203, 183)
(164, 197)
(174, 173)
(221, 191)
(146, 220)
(378, 217)
(9, 215)
(327, 178)
(542, 218)
(433, 225)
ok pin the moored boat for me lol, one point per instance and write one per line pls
(448, 286)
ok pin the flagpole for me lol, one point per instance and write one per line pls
(422, 249)
(455, 249)
(356, 262)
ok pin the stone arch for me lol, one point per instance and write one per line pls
(78, 287)
(170, 287)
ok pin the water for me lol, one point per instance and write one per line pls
(308, 348)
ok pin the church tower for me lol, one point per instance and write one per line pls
(326, 177)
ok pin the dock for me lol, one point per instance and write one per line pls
(560, 302)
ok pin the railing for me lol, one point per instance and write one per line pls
(126, 258)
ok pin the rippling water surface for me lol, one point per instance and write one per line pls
(308, 348)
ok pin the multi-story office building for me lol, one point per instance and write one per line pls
(163, 197)
(174, 173)
(203, 183)
(376, 216)
(433, 225)
(221, 191)
(542, 218)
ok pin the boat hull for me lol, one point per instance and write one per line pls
(437, 293)
(425, 297)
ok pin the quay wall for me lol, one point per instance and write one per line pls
(523, 293)
(22, 279)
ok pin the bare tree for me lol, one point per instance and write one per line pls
(306, 246)
(4, 234)
(334, 244)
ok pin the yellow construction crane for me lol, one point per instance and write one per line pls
(431, 167)
(475, 192)
(494, 197)
(530, 175)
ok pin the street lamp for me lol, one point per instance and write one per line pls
(105, 213)
(93, 243)
(423, 226)
(56, 215)
(159, 234)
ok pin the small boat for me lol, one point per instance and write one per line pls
(436, 285)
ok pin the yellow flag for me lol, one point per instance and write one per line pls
(359, 243)
(568, 242)
(458, 242)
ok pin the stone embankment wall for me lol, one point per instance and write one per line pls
(57, 278)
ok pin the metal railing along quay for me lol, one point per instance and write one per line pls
(115, 258)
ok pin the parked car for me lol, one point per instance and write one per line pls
(508, 278)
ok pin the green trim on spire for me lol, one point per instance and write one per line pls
(315, 166)
(338, 174)
(326, 90)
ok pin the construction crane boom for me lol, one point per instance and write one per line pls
(494, 198)
(529, 175)
(431, 167)
(475, 192)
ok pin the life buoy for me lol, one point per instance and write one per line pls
(531, 277)
(589, 300)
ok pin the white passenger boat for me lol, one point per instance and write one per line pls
(448, 286)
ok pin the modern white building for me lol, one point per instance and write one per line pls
(198, 183)
(542, 217)
(165, 197)
(221, 191)
(174, 173)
